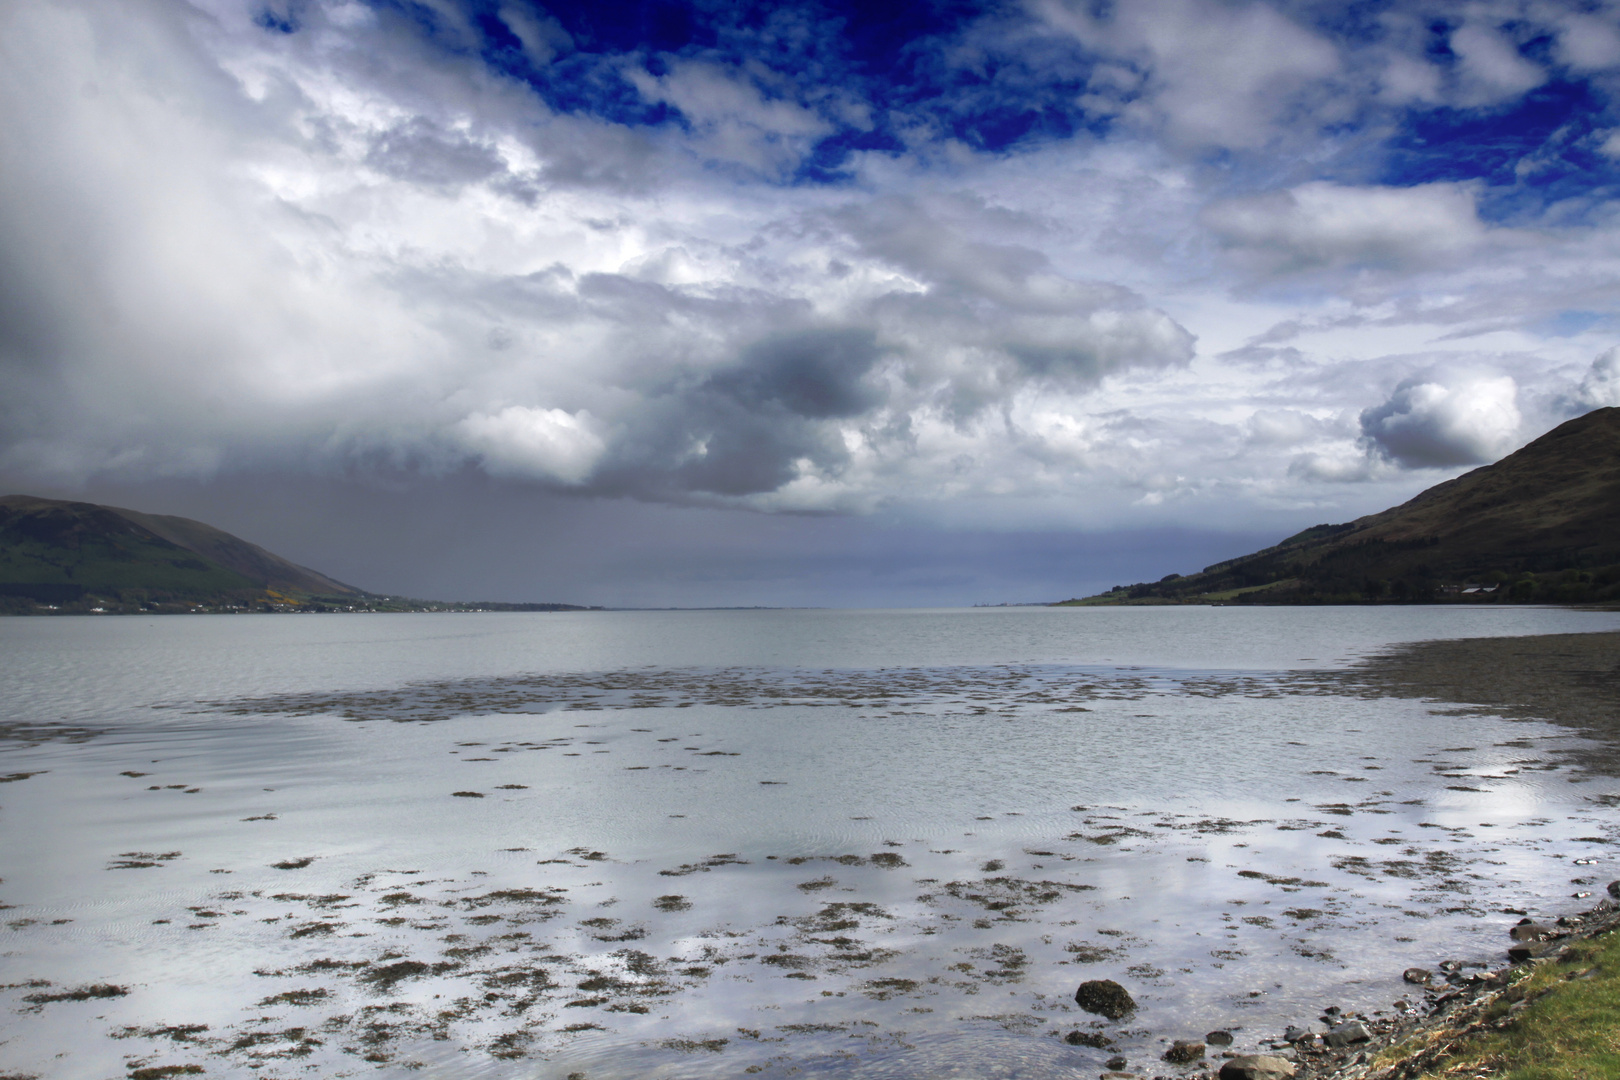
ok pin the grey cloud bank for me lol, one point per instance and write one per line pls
(357, 257)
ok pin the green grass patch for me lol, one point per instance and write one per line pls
(1570, 1029)
(1248, 590)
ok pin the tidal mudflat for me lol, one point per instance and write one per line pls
(436, 842)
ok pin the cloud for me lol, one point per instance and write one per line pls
(1426, 423)
(750, 272)
(1322, 224)
(1600, 388)
(1492, 69)
(541, 38)
(547, 444)
(419, 151)
(732, 118)
(1204, 73)
(1586, 41)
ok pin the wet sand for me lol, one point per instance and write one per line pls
(1569, 679)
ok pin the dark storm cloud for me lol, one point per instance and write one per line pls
(465, 536)
(818, 374)
(745, 427)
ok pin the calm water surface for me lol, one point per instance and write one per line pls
(689, 844)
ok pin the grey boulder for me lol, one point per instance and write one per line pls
(1257, 1067)
(1346, 1034)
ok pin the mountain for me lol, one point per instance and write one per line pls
(79, 554)
(1541, 525)
(250, 560)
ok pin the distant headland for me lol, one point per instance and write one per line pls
(64, 558)
(1540, 526)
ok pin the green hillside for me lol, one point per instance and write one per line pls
(80, 556)
(1541, 525)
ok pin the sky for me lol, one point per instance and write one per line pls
(817, 303)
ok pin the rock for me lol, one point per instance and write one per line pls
(1419, 976)
(1219, 1038)
(1294, 1034)
(1346, 1034)
(1116, 1063)
(1614, 889)
(1105, 997)
(1531, 931)
(1118, 1076)
(1094, 1039)
(1182, 1052)
(1531, 950)
(1257, 1067)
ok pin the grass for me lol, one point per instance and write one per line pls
(1569, 1030)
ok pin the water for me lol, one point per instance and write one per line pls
(688, 844)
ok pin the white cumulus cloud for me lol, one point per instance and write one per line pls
(1430, 423)
(544, 444)
(1600, 388)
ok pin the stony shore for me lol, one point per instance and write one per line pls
(1458, 1001)
(1569, 679)
(1464, 1003)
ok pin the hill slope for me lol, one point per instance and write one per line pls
(1542, 524)
(270, 571)
(59, 552)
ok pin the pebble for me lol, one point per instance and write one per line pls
(1219, 1038)
(1294, 1034)
(1531, 931)
(1182, 1052)
(1417, 975)
(1115, 1063)
(1614, 889)
(1095, 1039)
